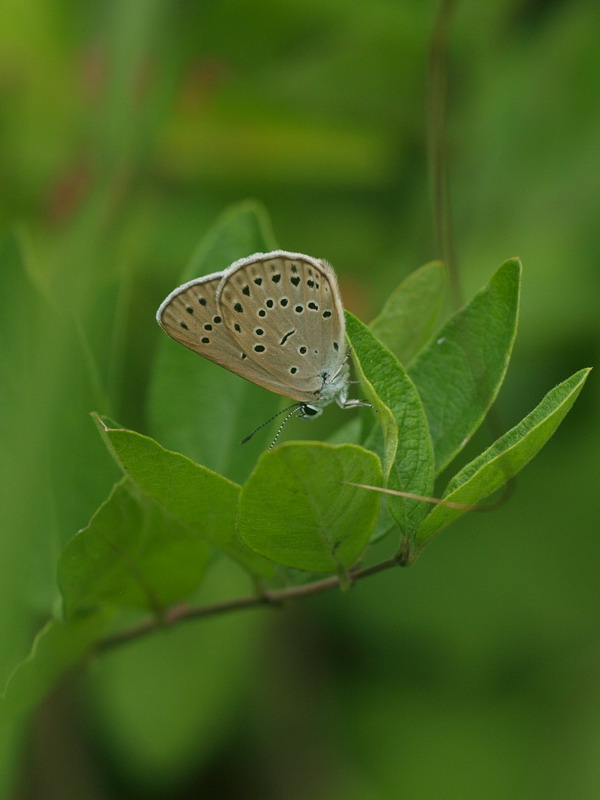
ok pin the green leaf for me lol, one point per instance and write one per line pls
(386, 523)
(197, 407)
(510, 453)
(132, 553)
(194, 495)
(408, 318)
(459, 373)
(349, 432)
(53, 469)
(296, 510)
(407, 450)
(56, 648)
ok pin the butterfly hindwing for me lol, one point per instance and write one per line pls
(284, 309)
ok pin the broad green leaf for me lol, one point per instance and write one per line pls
(386, 523)
(408, 318)
(296, 510)
(407, 450)
(132, 553)
(459, 373)
(56, 648)
(350, 432)
(194, 495)
(53, 469)
(199, 408)
(510, 453)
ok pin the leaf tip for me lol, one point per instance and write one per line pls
(512, 267)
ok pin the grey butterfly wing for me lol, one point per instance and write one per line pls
(286, 310)
(190, 315)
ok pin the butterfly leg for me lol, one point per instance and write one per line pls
(354, 403)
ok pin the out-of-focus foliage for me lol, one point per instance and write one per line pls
(127, 127)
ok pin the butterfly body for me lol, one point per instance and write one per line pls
(275, 319)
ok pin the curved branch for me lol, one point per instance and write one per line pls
(180, 614)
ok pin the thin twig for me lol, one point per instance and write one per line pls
(437, 102)
(436, 501)
(266, 599)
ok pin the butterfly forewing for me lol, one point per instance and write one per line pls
(190, 315)
(284, 309)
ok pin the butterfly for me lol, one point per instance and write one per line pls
(275, 319)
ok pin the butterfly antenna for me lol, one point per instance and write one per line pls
(278, 414)
(280, 428)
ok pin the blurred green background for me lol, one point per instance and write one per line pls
(127, 128)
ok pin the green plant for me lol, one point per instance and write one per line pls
(295, 512)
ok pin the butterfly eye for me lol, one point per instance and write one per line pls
(309, 410)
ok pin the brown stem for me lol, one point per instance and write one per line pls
(437, 102)
(274, 598)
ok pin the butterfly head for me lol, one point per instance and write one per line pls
(309, 411)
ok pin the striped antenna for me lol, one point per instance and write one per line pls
(295, 407)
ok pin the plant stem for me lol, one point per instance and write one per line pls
(274, 598)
